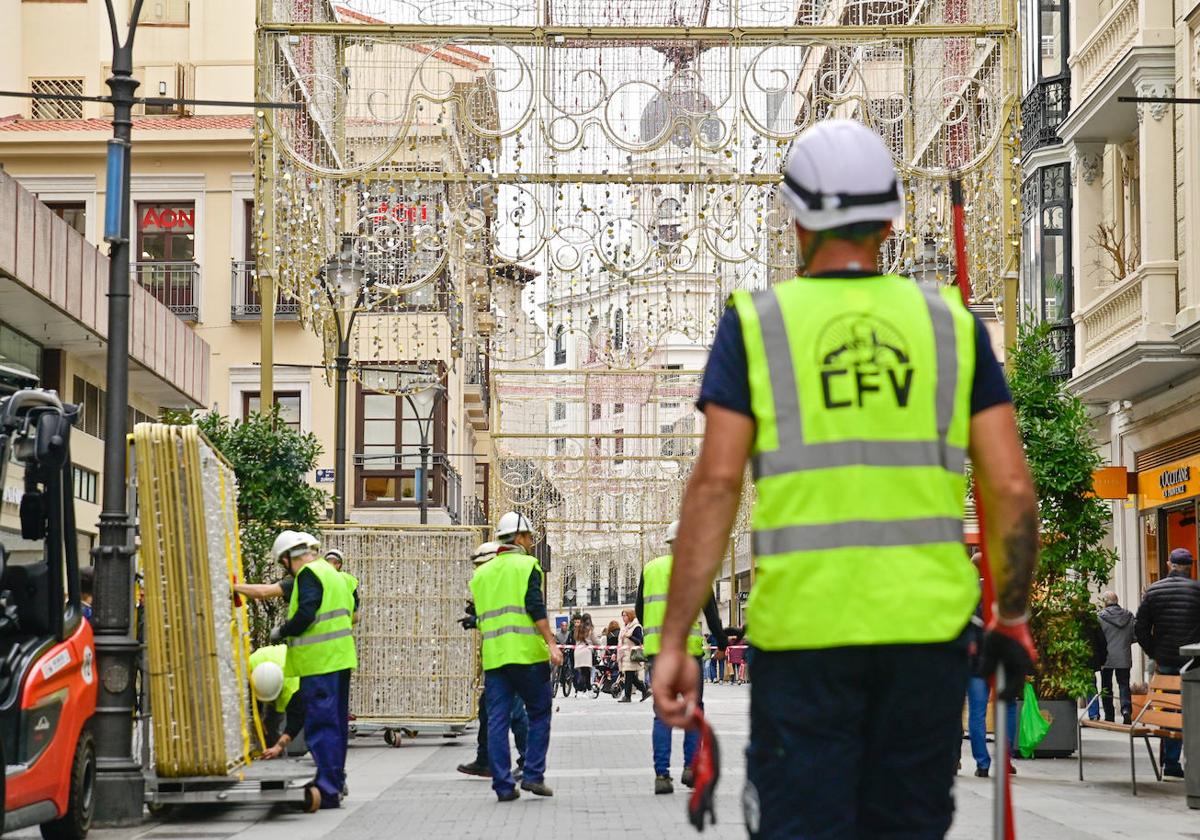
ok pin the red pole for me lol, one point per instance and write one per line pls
(989, 590)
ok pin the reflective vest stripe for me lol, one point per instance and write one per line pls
(858, 533)
(656, 580)
(325, 616)
(509, 610)
(527, 631)
(947, 359)
(876, 453)
(653, 599)
(300, 641)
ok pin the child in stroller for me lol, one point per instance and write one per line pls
(608, 678)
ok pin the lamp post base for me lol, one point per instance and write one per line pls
(120, 797)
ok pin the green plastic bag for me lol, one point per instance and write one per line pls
(1033, 726)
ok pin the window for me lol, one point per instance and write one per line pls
(288, 402)
(19, 351)
(619, 329)
(56, 109)
(560, 411)
(91, 399)
(666, 432)
(73, 213)
(166, 13)
(166, 231)
(560, 350)
(619, 446)
(618, 408)
(388, 441)
(85, 483)
(595, 411)
(560, 446)
(611, 594)
(1045, 233)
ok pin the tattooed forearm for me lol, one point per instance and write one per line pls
(1015, 576)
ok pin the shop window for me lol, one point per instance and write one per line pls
(288, 402)
(85, 482)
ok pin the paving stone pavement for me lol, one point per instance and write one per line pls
(599, 766)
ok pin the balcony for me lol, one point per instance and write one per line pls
(176, 285)
(1042, 111)
(477, 391)
(390, 481)
(246, 303)
(1125, 346)
(1105, 47)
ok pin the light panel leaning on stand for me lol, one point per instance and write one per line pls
(857, 397)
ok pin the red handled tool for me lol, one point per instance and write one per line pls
(706, 769)
(1002, 812)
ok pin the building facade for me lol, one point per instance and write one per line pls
(196, 227)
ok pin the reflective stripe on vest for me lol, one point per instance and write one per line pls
(510, 636)
(656, 580)
(860, 390)
(327, 645)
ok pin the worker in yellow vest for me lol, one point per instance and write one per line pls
(518, 647)
(857, 397)
(321, 653)
(285, 719)
(337, 559)
(650, 606)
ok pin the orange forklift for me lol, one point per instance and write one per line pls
(47, 654)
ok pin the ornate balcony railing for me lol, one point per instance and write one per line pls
(1112, 320)
(1062, 341)
(246, 303)
(477, 370)
(175, 284)
(1108, 43)
(1042, 111)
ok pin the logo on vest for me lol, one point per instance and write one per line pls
(863, 359)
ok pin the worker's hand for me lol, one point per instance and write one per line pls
(276, 635)
(676, 682)
(1010, 646)
(468, 622)
(556, 657)
(273, 752)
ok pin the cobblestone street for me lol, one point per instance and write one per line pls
(599, 768)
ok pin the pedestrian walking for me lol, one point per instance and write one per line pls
(1168, 618)
(857, 396)
(585, 643)
(321, 653)
(631, 655)
(518, 718)
(518, 650)
(649, 609)
(1118, 625)
(737, 655)
(979, 693)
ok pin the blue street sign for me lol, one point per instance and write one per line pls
(325, 475)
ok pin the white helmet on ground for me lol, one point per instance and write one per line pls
(511, 524)
(839, 172)
(335, 555)
(672, 531)
(485, 552)
(267, 681)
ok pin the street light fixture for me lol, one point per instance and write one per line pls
(345, 281)
(423, 402)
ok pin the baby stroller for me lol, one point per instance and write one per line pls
(607, 677)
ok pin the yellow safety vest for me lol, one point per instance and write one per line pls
(327, 645)
(860, 390)
(278, 655)
(510, 636)
(656, 580)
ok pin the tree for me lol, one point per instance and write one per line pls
(271, 461)
(1062, 455)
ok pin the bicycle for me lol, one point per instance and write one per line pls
(562, 677)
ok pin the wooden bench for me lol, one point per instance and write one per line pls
(1162, 717)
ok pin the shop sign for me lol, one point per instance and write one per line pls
(160, 218)
(1173, 482)
(1111, 483)
(404, 211)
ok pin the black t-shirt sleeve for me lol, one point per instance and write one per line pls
(535, 602)
(726, 379)
(309, 601)
(286, 585)
(989, 388)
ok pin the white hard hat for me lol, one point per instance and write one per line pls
(840, 172)
(335, 553)
(511, 524)
(672, 531)
(311, 541)
(267, 681)
(288, 541)
(485, 552)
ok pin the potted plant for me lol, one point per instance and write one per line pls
(1074, 562)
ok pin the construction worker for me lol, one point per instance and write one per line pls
(336, 559)
(321, 653)
(857, 397)
(511, 613)
(649, 607)
(519, 719)
(281, 693)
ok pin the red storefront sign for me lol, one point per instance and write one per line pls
(158, 218)
(403, 211)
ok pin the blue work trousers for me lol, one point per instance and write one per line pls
(977, 703)
(520, 730)
(325, 730)
(660, 736)
(500, 685)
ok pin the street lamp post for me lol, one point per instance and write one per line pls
(423, 403)
(345, 282)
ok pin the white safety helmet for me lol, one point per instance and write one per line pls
(291, 543)
(672, 531)
(840, 172)
(511, 524)
(267, 681)
(485, 552)
(312, 541)
(335, 554)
